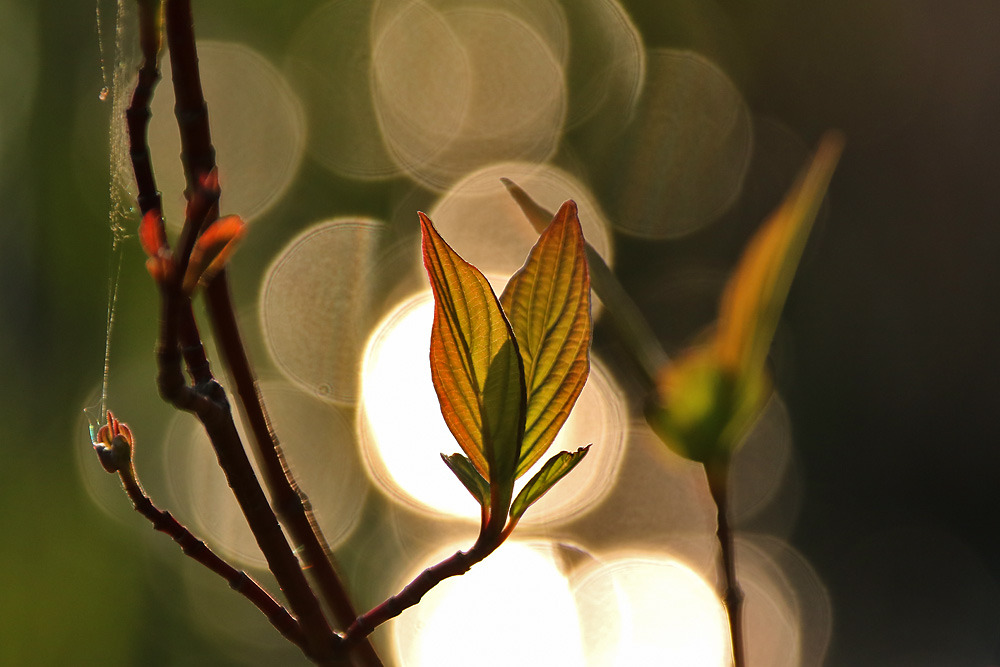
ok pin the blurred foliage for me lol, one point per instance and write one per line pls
(888, 352)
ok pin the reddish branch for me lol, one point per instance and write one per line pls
(198, 157)
(206, 398)
(114, 447)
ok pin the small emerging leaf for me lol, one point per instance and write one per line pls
(475, 366)
(470, 477)
(554, 469)
(212, 250)
(548, 304)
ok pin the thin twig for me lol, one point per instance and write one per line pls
(114, 447)
(718, 484)
(208, 402)
(458, 563)
(137, 115)
(207, 399)
(291, 504)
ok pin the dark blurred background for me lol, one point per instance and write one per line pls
(884, 359)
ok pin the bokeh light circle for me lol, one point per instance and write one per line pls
(519, 591)
(319, 447)
(484, 224)
(329, 65)
(258, 129)
(681, 162)
(650, 609)
(490, 89)
(315, 303)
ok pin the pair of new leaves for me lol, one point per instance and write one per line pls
(508, 371)
(507, 383)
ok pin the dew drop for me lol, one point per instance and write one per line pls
(103, 95)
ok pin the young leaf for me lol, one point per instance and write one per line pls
(469, 476)
(548, 304)
(554, 469)
(475, 365)
(755, 294)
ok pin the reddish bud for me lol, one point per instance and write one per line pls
(212, 250)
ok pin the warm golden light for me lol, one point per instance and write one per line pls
(402, 431)
(650, 610)
(514, 608)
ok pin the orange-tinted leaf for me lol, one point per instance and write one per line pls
(548, 304)
(475, 366)
(755, 294)
(212, 250)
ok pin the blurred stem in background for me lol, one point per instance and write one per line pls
(704, 401)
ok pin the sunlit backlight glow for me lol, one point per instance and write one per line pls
(650, 610)
(514, 608)
(402, 431)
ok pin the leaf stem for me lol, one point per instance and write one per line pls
(718, 483)
(458, 563)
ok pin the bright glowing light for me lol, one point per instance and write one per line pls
(514, 608)
(651, 610)
(402, 431)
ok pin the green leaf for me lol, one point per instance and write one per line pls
(475, 366)
(548, 304)
(554, 469)
(469, 476)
